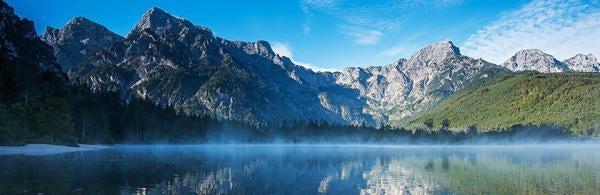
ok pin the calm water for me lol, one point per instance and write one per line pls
(307, 170)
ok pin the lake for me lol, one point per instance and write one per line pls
(308, 169)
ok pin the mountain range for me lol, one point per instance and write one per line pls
(172, 62)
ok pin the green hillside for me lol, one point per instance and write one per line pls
(570, 100)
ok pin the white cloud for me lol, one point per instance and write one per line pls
(320, 4)
(561, 28)
(362, 36)
(284, 49)
(398, 51)
(385, 15)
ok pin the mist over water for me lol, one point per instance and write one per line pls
(309, 169)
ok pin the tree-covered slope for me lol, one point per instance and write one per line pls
(569, 100)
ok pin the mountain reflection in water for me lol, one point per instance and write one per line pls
(270, 169)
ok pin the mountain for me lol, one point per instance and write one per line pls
(409, 86)
(175, 63)
(28, 68)
(32, 85)
(20, 42)
(583, 63)
(568, 100)
(172, 62)
(534, 60)
(79, 38)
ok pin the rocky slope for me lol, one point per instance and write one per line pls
(19, 42)
(536, 60)
(583, 63)
(409, 86)
(79, 38)
(175, 63)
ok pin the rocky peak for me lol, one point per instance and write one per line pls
(157, 19)
(436, 52)
(159, 26)
(583, 63)
(79, 38)
(80, 20)
(534, 60)
(80, 27)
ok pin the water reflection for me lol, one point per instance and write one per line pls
(307, 170)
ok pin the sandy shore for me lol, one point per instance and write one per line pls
(46, 149)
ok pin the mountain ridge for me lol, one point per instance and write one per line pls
(173, 62)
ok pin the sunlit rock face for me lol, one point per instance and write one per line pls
(79, 38)
(538, 61)
(175, 63)
(534, 60)
(583, 63)
(408, 86)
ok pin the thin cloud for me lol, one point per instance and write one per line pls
(284, 49)
(387, 15)
(398, 51)
(404, 48)
(562, 28)
(362, 36)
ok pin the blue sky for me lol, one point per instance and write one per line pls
(332, 34)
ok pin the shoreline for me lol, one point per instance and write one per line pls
(47, 149)
(50, 149)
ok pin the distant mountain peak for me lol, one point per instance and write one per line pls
(436, 52)
(532, 51)
(156, 17)
(583, 63)
(534, 60)
(590, 57)
(447, 46)
(77, 39)
(80, 19)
